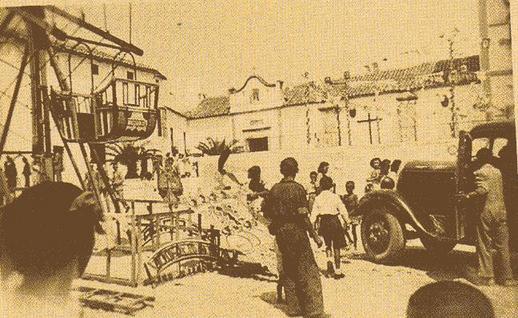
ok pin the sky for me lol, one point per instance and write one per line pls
(210, 46)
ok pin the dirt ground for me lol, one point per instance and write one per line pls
(368, 289)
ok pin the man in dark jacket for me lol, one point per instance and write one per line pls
(10, 173)
(286, 206)
(492, 223)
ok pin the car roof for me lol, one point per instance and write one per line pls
(430, 165)
(496, 128)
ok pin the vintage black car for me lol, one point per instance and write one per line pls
(423, 205)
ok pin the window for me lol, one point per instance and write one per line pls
(125, 93)
(255, 94)
(130, 75)
(258, 144)
(95, 69)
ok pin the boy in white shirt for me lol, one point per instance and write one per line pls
(331, 217)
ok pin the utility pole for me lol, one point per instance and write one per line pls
(41, 142)
(306, 102)
(345, 97)
(451, 68)
(338, 124)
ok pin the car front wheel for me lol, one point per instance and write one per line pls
(382, 236)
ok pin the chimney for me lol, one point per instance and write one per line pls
(347, 75)
(280, 84)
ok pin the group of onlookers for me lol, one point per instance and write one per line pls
(294, 211)
(383, 175)
(297, 214)
(33, 173)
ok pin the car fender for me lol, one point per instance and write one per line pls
(397, 206)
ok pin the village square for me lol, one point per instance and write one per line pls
(258, 159)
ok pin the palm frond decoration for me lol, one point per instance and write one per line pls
(129, 155)
(214, 147)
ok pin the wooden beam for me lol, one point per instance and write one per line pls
(29, 17)
(63, 86)
(5, 22)
(92, 28)
(14, 99)
(98, 43)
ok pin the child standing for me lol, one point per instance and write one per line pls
(329, 209)
(311, 189)
(350, 201)
(374, 177)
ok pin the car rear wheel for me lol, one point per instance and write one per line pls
(382, 236)
(435, 246)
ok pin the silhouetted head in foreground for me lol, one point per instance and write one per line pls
(449, 299)
(47, 237)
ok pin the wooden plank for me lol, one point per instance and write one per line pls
(125, 46)
(116, 301)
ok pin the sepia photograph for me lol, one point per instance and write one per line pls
(265, 158)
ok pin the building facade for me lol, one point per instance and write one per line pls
(426, 103)
(496, 54)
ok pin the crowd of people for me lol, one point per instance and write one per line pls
(294, 213)
(32, 173)
(297, 214)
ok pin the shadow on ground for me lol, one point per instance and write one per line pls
(248, 270)
(438, 267)
(271, 298)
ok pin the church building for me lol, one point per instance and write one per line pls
(422, 104)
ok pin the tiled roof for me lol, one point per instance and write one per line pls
(99, 55)
(426, 75)
(305, 93)
(210, 106)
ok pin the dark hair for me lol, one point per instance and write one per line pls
(387, 183)
(385, 166)
(449, 299)
(395, 165)
(326, 183)
(254, 171)
(313, 173)
(374, 159)
(289, 167)
(45, 229)
(322, 165)
(484, 155)
(349, 182)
